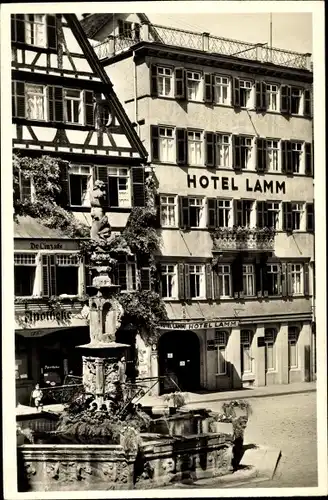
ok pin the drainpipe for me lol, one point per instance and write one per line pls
(135, 82)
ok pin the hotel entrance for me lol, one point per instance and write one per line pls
(179, 361)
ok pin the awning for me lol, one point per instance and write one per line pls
(27, 227)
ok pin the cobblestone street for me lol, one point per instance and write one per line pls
(288, 423)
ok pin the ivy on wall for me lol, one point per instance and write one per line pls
(44, 204)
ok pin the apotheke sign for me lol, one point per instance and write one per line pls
(199, 325)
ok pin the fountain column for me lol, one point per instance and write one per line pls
(103, 363)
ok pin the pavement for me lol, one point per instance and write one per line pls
(256, 392)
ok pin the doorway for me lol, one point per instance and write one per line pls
(179, 361)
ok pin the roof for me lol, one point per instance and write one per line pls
(92, 23)
(27, 227)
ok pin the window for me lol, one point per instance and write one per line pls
(79, 185)
(270, 335)
(221, 338)
(293, 334)
(168, 210)
(295, 105)
(224, 280)
(297, 212)
(242, 152)
(164, 82)
(169, 288)
(246, 87)
(246, 337)
(35, 109)
(223, 150)
(195, 148)
(126, 273)
(67, 267)
(166, 144)
(248, 280)
(272, 97)
(221, 90)
(243, 212)
(296, 156)
(73, 106)
(296, 278)
(272, 155)
(272, 214)
(35, 29)
(224, 213)
(25, 267)
(119, 187)
(192, 212)
(26, 187)
(125, 29)
(273, 279)
(193, 86)
(196, 281)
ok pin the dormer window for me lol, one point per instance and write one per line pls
(104, 115)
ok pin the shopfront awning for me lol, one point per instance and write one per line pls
(27, 227)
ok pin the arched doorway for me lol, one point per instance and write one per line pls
(179, 359)
(128, 336)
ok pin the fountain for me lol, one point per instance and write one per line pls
(116, 449)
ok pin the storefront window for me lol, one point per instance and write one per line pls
(25, 266)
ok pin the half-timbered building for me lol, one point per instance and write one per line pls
(229, 128)
(64, 106)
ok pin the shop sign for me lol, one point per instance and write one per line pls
(199, 325)
(48, 318)
(37, 245)
(229, 184)
(60, 316)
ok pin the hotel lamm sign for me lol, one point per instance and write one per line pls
(231, 184)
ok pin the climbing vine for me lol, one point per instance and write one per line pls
(44, 203)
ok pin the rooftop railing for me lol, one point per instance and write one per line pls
(204, 42)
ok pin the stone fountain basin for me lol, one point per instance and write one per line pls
(178, 448)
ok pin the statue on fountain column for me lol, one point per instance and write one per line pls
(100, 228)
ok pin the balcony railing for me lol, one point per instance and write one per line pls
(203, 42)
(243, 239)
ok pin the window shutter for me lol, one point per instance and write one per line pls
(13, 28)
(260, 96)
(45, 276)
(20, 28)
(51, 32)
(112, 191)
(184, 212)
(138, 186)
(208, 88)
(64, 199)
(181, 281)
(158, 210)
(286, 157)
(136, 28)
(89, 107)
(180, 83)
(262, 214)
(287, 222)
(211, 213)
(258, 278)
(261, 163)
(237, 275)
(265, 278)
(307, 103)
(120, 26)
(52, 274)
(101, 174)
(153, 80)
(310, 217)
(154, 142)
(285, 99)
(216, 285)
(209, 288)
(145, 278)
(210, 149)
(284, 281)
(19, 106)
(308, 159)
(306, 279)
(55, 99)
(187, 281)
(235, 93)
(236, 148)
(181, 141)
